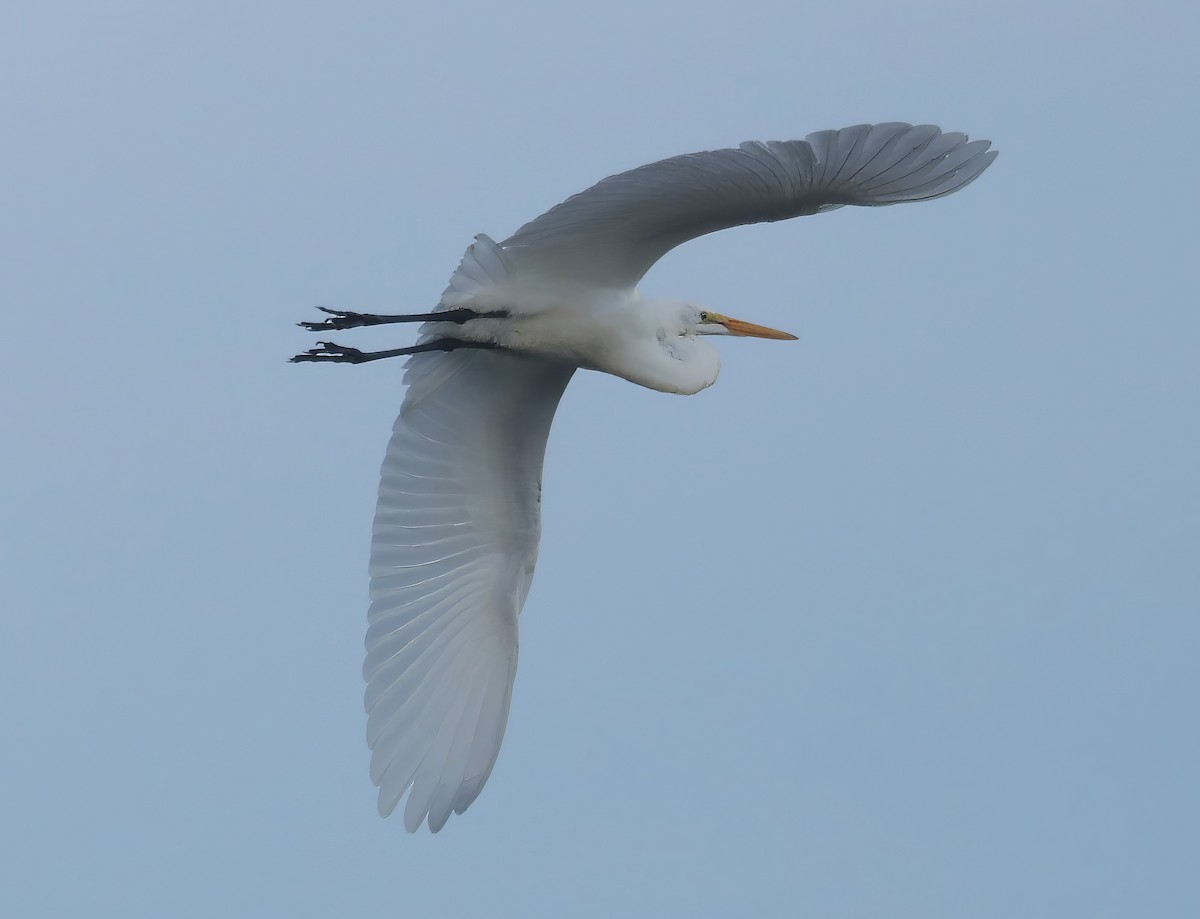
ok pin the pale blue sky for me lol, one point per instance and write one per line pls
(900, 619)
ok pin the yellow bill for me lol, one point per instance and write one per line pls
(738, 327)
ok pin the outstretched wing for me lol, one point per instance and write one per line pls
(455, 542)
(611, 234)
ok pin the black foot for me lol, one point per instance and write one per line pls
(339, 320)
(328, 351)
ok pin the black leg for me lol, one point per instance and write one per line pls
(328, 352)
(345, 319)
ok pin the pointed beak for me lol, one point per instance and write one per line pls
(749, 329)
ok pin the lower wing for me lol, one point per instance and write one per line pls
(454, 546)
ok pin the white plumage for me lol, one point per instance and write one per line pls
(458, 520)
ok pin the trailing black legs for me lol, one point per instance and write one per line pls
(327, 351)
(345, 319)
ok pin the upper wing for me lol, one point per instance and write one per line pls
(615, 231)
(455, 542)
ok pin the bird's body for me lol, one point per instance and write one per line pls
(459, 515)
(611, 331)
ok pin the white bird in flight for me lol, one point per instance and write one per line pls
(457, 525)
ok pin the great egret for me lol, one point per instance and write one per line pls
(458, 520)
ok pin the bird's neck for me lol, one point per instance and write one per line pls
(674, 364)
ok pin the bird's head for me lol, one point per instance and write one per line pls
(674, 357)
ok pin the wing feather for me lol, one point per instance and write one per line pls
(611, 234)
(454, 545)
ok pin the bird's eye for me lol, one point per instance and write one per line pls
(704, 316)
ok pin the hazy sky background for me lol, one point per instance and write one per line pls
(901, 619)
